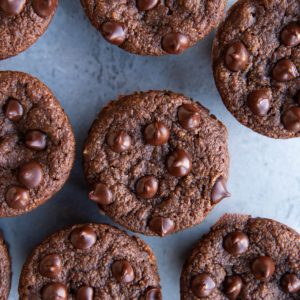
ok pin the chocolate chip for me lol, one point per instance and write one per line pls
(237, 57)
(55, 291)
(83, 237)
(44, 8)
(114, 33)
(233, 286)
(101, 194)
(153, 294)
(236, 243)
(119, 141)
(188, 116)
(156, 134)
(31, 174)
(17, 197)
(147, 187)
(85, 293)
(290, 35)
(36, 140)
(12, 7)
(122, 271)
(284, 70)
(175, 42)
(13, 110)
(50, 266)
(259, 102)
(202, 285)
(290, 283)
(263, 268)
(179, 163)
(219, 190)
(162, 226)
(291, 119)
(144, 5)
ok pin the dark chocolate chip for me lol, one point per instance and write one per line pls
(31, 174)
(147, 187)
(291, 119)
(36, 140)
(162, 226)
(259, 102)
(13, 110)
(233, 286)
(17, 197)
(290, 283)
(179, 163)
(144, 5)
(263, 268)
(122, 271)
(50, 266)
(284, 70)
(156, 134)
(153, 294)
(85, 293)
(12, 7)
(119, 141)
(55, 291)
(101, 194)
(290, 35)
(44, 8)
(175, 42)
(202, 285)
(237, 57)
(114, 33)
(188, 116)
(219, 191)
(83, 237)
(236, 243)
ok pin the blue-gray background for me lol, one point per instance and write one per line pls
(84, 72)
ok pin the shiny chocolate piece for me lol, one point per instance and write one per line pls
(119, 141)
(85, 293)
(259, 102)
(290, 283)
(13, 110)
(219, 191)
(12, 7)
(291, 119)
(175, 42)
(233, 286)
(17, 197)
(36, 140)
(50, 266)
(144, 5)
(101, 194)
(114, 33)
(55, 291)
(44, 8)
(122, 271)
(153, 294)
(236, 243)
(83, 237)
(284, 70)
(237, 57)
(162, 226)
(290, 35)
(263, 268)
(188, 116)
(31, 174)
(202, 285)
(147, 187)
(156, 134)
(179, 163)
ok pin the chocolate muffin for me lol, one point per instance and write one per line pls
(91, 261)
(244, 258)
(154, 27)
(22, 22)
(256, 62)
(36, 144)
(5, 270)
(156, 162)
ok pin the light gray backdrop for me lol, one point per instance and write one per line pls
(84, 72)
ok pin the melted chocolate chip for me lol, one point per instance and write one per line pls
(36, 140)
(291, 119)
(188, 116)
(179, 163)
(101, 194)
(236, 243)
(175, 43)
(284, 70)
(13, 110)
(17, 197)
(156, 134)
(83, 237)
(31, 174)
(233, 286)
(122, 271)
(114, 33)
(290, 283)
(144, 5)
(237, 57)
(219, 191)
(147, 187)
(85, 293)
(119, 141)
(55, 291)
(202, 285)
(290, 35)
(162, 226)
(153, 294)
(12, 7)
(259, 102)
(263, 268)
(44, 8)
(50, 266)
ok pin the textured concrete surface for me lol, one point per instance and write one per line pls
(84, 72)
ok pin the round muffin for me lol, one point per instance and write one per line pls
(22, 22)
(91, 261)
(256, 62)
(156, 162)
(244, 258)
(5, 270)
(37, 145)
(154, 27)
